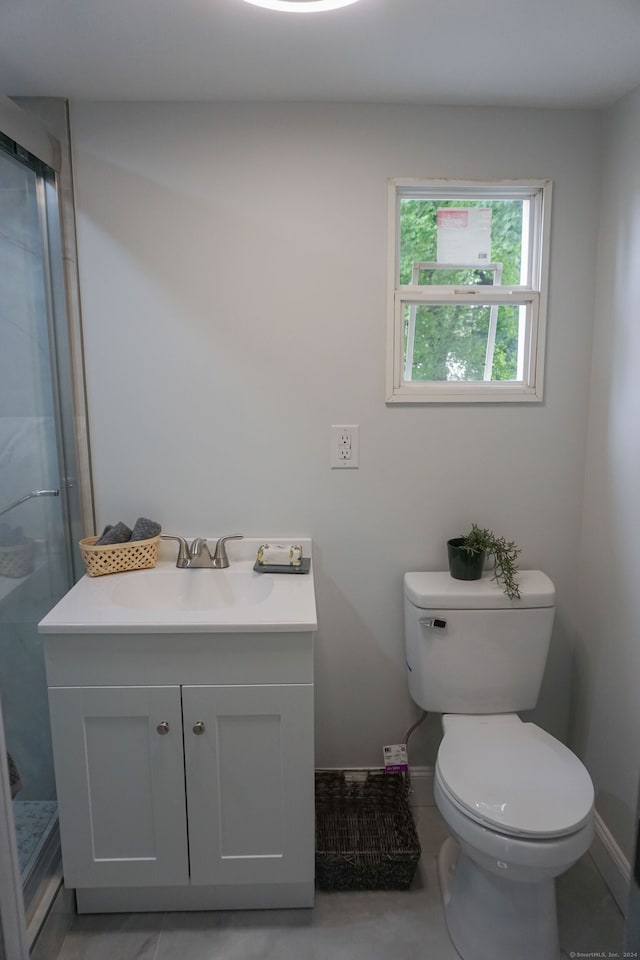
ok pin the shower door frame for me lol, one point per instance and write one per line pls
(26, 140)
(12, 917)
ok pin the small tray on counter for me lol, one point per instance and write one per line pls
(303, 567)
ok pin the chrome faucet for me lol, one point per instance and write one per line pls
(197, 556)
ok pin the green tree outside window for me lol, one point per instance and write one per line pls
(450, 339)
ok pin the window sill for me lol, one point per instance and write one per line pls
(494, 392)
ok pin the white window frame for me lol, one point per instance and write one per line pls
(532, 296)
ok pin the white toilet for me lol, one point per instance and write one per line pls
(518, 803)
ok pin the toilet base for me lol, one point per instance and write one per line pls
(492, 919)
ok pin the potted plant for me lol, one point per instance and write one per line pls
(467, 555)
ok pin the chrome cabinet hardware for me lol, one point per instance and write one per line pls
(433, 622)
(163, 728)
(199, 728)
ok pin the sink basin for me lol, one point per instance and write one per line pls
(191, 590)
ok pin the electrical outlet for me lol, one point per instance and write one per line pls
(345, 446)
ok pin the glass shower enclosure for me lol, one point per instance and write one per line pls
(39, 524)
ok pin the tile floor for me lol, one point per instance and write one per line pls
(342, 926)
(34, 820)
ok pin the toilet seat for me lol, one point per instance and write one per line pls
(513, 777)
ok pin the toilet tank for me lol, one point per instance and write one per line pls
(470, 649)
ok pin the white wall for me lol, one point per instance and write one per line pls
(233, 268)
(606, 722)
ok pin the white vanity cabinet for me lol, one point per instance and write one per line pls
(184, 768)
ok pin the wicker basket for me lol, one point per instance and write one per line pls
(118, 557)
(18, 560)
(365, 833)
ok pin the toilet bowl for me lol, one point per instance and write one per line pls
(517, 802)
(519, 808)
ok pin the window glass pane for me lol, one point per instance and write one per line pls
(463, 231)
(462, 342)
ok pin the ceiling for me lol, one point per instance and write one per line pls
(541, 53)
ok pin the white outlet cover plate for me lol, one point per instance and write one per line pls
(338, 433)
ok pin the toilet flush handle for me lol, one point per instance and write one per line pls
(433, 622)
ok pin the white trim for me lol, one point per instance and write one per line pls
(542, 211)
(394, 334)
(611, 862)
(24, 130)
(533, 296)
(441, 188)
(480, 391)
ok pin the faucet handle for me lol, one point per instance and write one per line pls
(220, 557)
(183, 549)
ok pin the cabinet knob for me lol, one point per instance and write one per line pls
(199, 728)
(163, 728)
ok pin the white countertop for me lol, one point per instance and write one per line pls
(168, 600)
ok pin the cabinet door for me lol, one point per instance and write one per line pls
(250, 788)
(120, 784)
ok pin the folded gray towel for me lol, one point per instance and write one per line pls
(118, 533)
(144, 529)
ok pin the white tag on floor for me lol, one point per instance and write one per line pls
(395, 758)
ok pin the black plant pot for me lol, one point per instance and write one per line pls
(463, 564)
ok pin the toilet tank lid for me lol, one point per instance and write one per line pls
(440, 591)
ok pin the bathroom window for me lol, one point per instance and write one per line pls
(467, 290)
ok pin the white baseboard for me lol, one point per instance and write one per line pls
(422, 787)
(611, 862)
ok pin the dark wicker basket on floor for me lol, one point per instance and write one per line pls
(365, 833)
